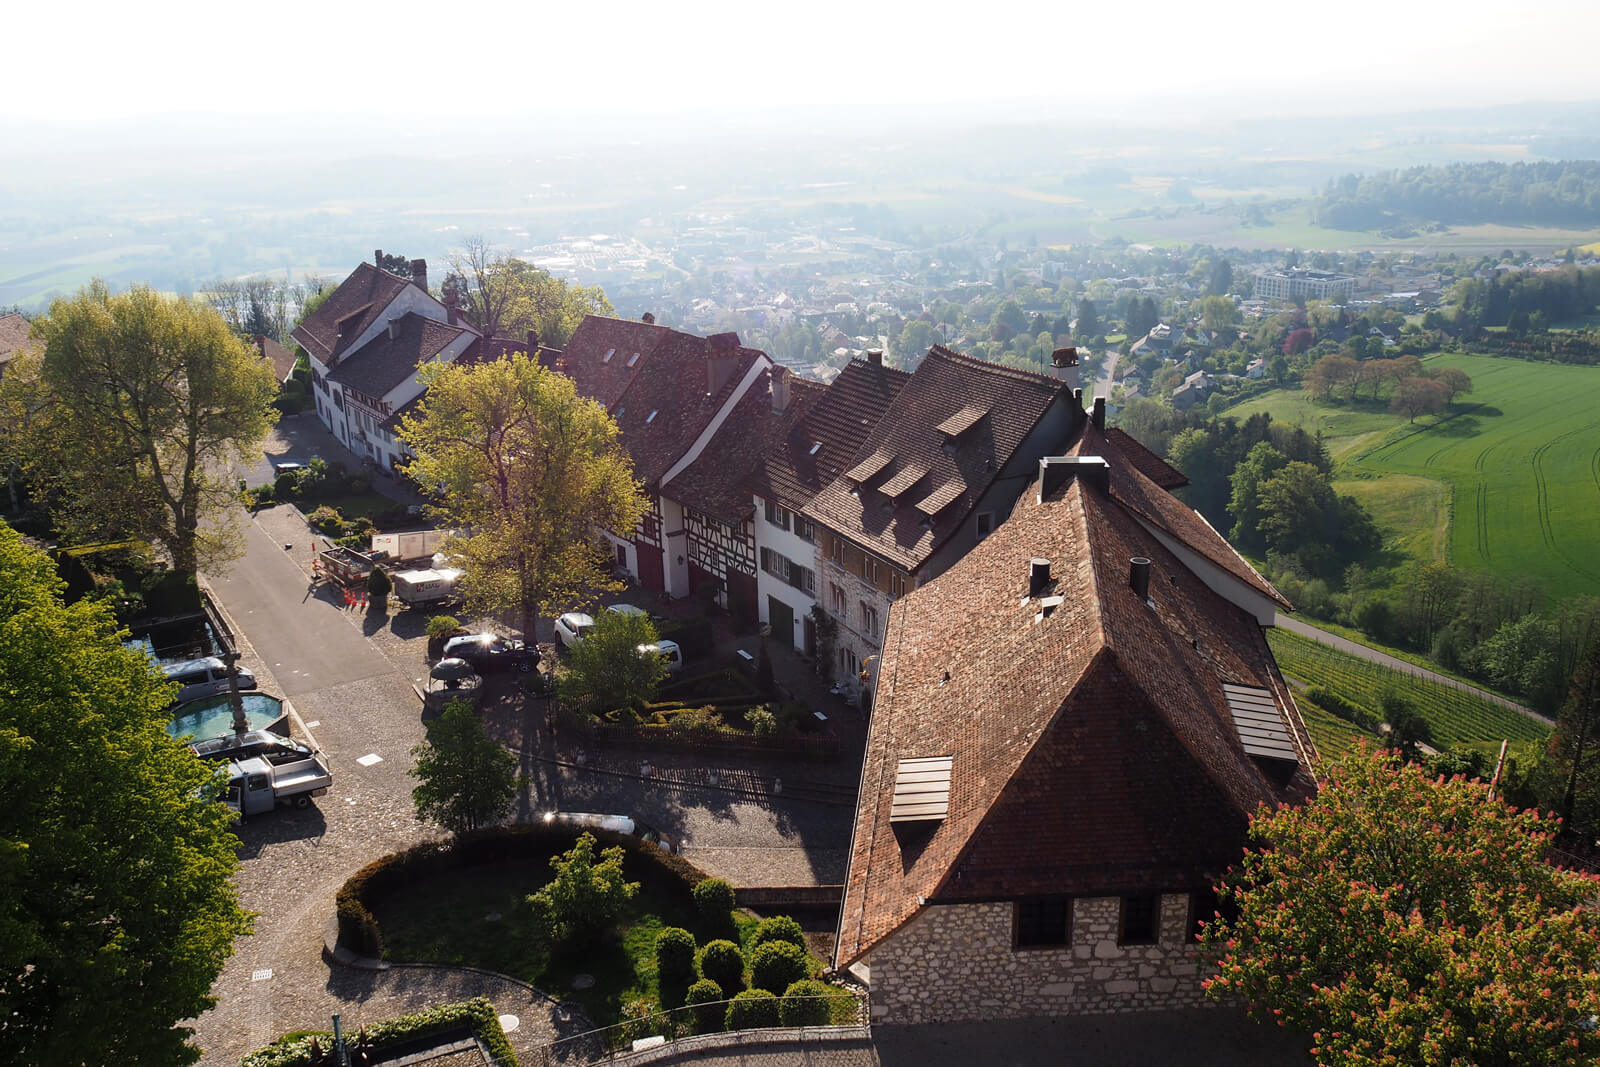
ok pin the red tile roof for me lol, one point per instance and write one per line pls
(384, 362)
(660, 402)
(354, 306)
(1150, 465)
(282, 359)
(839, 421)
(717, 483)
(1166, 512)
(945, 384)
(1093, 751)
(13, 336)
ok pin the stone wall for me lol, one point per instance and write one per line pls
(957, 962)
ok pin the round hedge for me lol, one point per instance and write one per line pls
(714, 898)
(723, 963)
(777, 965)
(675, 955)
(809, 1003)
(779, 928)
(707, 1020)
(752, 1009)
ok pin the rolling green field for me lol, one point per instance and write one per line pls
(1509, 482)
(1454, 716)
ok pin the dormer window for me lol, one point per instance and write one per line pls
(607, 357)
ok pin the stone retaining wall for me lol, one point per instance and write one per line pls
(957, 962)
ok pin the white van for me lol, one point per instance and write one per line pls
(206, 677)
(667, 650)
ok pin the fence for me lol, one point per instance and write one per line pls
(845, 1009)
(714, 739)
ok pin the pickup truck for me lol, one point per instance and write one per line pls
(265, 770)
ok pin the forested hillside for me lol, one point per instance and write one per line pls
(1544, 194)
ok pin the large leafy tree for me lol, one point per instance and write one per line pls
(116, 910)
(605, 669)
(466, 779)
(1403, 919)
(506, 297)
(147, 403)
(529, 470)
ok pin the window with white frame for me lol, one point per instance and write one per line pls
(836, 599)
(804, 528)
(777, 516)
(869, 620)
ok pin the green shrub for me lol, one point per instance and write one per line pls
(752, 1009)
(723, 963)
(1335, 704)
(761, 721)
(779, 928)
(714, 898)
(777, 965)
(358, 930)
(476, 1015)
(443, 626)
(378, 584)
(819, 1011)
(675, 956)
(707, 1020)
(636, 1021)
(327, 520)
(287, 485)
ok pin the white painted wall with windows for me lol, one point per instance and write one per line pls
(785, 541)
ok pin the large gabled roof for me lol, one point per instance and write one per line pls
(821, 443)
(716, 483)
(936, 464)
(1092, 751)
(14, 339)
(394, 354)
(359, 301)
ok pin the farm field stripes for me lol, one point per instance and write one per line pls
(1453, 715)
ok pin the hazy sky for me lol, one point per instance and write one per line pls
(112, 60)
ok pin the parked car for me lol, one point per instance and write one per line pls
(621, 824)
(667, 650)
(254, 744)
(286, 466)
(204, 677)
(627, 609)
(488, 652)
(571, 627)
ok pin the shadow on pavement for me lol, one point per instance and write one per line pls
(277, 826)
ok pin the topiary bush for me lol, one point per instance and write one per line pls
(705, 1001)
(777, 965)
(287, 485)
(752, 1009)
(714, 898)
(723, 963)
(327, 520)
(675, 957)
(810, 1003)
(779, 928)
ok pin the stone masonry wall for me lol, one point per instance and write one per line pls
(957, 962)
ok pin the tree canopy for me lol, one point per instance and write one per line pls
(1403, 919)
(465, 778)
(606, 671)
(116, 909)
(506, 297)
(586, 896)
(529, 470)
(139, 405)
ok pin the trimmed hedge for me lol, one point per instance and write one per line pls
(364, 891)
(1334, 704)
(675, 956)
(723, 963)
(812, 1012)
(715, 900)
(477, 1015)
(779, 928)
(707, 1020)
(752, 1009)
(777, 965)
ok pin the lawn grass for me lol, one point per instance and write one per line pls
(352, 505)
(1452, 715)
(446, 919)
(1518, 456)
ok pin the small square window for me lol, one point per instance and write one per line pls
(1140, 920)
(1043, 922)
(985, 524)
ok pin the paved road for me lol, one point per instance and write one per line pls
(1108, 370)
(1372, 655)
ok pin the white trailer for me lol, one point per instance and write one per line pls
(415, 588)
(410, 544)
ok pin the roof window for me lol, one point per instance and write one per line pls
(633, 359)
(652, 416)
(814, 447)
(607, 357)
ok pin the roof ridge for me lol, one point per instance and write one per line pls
(1028, 376)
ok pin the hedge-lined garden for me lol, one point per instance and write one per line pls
(393, 1037)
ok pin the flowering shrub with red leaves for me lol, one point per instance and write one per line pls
(1403, 919)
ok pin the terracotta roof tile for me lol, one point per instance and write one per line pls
(13, 336)
(944, 385)
(847, 410)
(1150, 465)
(282, 359)
(384, 362)
(1093, 751)
(354, 306)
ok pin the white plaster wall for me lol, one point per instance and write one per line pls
(788, 544)
(956, 962)
(674, 541)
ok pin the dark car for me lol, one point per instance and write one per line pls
(488, 652)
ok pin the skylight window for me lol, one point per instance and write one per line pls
(814, 449)
(607, 357)
(633, 359)
(652, 416)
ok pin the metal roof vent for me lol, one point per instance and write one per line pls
(1139, 577)
(1038, 576)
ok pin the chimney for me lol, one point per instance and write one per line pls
(1056, 471)
(1139, 576)
(377, 258)
(875, 356)
(778, 381)
(419, 274)
(1038, 576)
(648, 318)
(394, 329)
(1099, 416)
(533, 343)
(722, 356)
(1064, 366)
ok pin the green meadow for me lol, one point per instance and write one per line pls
(1508, 481)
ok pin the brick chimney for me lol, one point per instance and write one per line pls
(450, 297)
(394, 329)
(377, 258)
(875, 356)
(1099, 416)
(419, 274)
(533, 343)
(778, 380)
(1056, 471)
(648, 319)
(722, 357)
